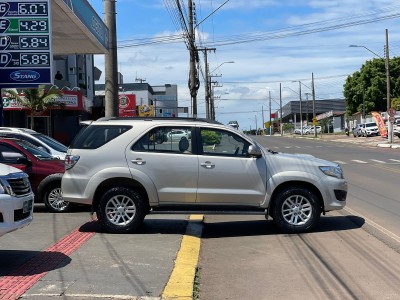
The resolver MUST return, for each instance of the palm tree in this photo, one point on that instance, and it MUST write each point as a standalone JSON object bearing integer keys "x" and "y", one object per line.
{"x": 39, "y": 99}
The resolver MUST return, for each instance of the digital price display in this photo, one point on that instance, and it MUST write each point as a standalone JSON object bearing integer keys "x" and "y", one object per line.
{"x": 33, "y": 8}
{"x": 25, "y": 42}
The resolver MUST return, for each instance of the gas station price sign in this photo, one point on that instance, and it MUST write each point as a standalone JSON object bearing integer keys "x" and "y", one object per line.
{"x": 25, "y": 42}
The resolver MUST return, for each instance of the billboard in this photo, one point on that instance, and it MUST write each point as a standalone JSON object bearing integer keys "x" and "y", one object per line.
{"x": 146, "y": 111}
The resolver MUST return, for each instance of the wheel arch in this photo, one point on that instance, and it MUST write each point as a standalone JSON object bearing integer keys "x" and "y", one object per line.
{"x": 292, "y": 184}
{"x": 121, "y": 182}
{"x": 49, "y": 180}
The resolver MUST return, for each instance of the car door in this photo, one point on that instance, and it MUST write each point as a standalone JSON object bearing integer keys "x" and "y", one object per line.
{"x": 227, "y": 175}
{"x": 169, "y": 163}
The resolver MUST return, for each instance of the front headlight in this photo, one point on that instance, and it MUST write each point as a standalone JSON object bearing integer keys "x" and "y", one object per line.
{"x": 5, "y": 188}
{"x": 332, "y": 171}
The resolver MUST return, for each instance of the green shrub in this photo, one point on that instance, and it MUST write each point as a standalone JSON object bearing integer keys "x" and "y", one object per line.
{"x": 210, "y": 137}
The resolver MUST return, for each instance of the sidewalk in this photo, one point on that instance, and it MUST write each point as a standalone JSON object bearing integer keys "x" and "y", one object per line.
{"x": 376, "y": 141}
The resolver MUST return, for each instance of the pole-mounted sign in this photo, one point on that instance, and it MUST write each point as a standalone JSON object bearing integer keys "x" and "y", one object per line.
{"x": 25, "y": 43}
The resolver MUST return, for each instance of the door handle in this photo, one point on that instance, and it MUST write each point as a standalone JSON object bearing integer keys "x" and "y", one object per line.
{"x": 208, "y": 165}
{"x": 138, "y": 161}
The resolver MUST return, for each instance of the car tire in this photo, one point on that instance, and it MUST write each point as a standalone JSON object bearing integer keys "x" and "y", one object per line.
{"x": 296, "y": 209}
{"x": 53, "y": 200}
{"x": 121, "y": 210}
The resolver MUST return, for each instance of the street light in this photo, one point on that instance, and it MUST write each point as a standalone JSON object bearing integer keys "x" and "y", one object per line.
{"x": 210, "y": 111}
{"x": 301, "y": 111}
{"x": 361, "y": 46}
{"x": 225, "y": 62}
{"x": 390, "y": 125}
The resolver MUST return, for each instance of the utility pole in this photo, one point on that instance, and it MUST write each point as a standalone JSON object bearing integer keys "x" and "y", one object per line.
{"x": 301, "y": 111}
{"x": 270, "y": 111}
{"x": 111, "y": 61}
{"x": 207, "y": 81}
{"x": 280, "y": 105}
{"x": 313, "y": 105}
{"x": 193, "y": 80}
{"x": 390, "y": 124}
{"x": 212, "y": 104}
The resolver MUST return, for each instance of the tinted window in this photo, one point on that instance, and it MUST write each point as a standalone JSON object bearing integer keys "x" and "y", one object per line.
{"x": 95, "y": 136}
{"x": 52, "y": 143}
{"x": 223, "y": 143}
{"x": 165, "y": 139}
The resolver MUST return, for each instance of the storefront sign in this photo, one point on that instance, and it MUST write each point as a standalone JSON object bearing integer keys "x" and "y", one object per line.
{"x": 72, "y": 101}
{"x": 146, "y": 111}
{"x": 127, "y": 105}
{"x": 25, "y": 43}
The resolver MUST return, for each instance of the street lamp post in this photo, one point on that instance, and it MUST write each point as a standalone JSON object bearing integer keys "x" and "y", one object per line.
{"x": 390, "y": 125}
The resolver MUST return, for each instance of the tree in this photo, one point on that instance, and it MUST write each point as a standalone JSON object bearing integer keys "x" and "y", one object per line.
{"x": 367, "y": 88}
{"x": 396, "y": 103}
{"x": 36, "y": 100}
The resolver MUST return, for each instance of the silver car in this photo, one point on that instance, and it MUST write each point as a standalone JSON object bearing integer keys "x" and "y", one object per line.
{"x": 114, "y": 166}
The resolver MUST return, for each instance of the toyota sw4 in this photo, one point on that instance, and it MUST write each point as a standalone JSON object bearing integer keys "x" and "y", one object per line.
{"x": 113, "y": 165}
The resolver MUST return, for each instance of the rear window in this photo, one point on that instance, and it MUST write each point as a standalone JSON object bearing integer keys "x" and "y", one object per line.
{"x": 370, "y": 125}
{"x": 95, "y": 136}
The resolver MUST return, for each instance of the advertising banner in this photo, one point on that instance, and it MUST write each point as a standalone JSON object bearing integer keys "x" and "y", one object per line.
{"x": 146, "y": 111}
{"x": 127, "y": 105}
{"x": 380, "y": 123}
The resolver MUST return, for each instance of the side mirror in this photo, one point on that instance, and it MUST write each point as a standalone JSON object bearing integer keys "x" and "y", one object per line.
{"x": 23, "y": 161}
{"x": 254, "y": 151}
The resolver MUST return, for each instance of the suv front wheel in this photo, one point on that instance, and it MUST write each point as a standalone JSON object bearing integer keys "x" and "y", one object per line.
{"x": 121, "y": 210}
{"x": 296, "y": 209}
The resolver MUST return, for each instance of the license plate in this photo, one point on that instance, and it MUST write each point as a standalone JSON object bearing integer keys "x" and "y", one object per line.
{"x": 27, "y": 206}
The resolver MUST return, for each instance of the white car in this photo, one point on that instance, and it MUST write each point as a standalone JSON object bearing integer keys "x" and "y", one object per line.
{"x": 177, "y": 135}
{"x": 16, "y": 199}
{"x": 40, "y": 140}
{"x": 124, "y": 177}
{"x": 311, "y": 130}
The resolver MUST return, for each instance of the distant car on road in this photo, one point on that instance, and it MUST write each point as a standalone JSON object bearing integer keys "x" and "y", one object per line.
{"x": 369, "y": 129}
{"x": 45, "y": 172}
{"x": 298, "y": 130}
{"x": 233, "y": 124}
{"x": 312, "y": 129}
{"x": 357, "y": 131}
{"x": 177, "y": 135}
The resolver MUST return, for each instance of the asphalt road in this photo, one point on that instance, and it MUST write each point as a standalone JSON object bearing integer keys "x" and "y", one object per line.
{"x": 353, "y": 254}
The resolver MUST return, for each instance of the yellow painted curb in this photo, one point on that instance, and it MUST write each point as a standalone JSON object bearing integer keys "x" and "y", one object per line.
{"x": 180, "y": 284}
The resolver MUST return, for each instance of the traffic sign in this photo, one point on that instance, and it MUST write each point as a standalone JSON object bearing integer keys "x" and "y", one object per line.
{"x": 392, "y": 119}
{"x": 25, "y": 42}
{"x": 391, "y": 112}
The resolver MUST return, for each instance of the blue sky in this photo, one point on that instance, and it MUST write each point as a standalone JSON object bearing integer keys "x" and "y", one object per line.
{"x": 271, "y": 42}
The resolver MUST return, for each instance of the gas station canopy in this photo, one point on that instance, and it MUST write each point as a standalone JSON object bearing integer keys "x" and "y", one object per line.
{"x": 77, "y": 28}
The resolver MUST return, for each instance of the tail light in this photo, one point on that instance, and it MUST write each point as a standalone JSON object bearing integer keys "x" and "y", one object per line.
{"x": 70, "y": 161}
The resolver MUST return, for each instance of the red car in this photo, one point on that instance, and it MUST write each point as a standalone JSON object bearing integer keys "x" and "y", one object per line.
{"x": 44, "y": 171}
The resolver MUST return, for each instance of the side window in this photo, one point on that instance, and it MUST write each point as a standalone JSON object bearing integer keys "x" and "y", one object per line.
{"x": 9, "y": 155}
{"x": 223, "y": 143}
{"x": 95, "y": 136}
{"x": 166, "y": 139}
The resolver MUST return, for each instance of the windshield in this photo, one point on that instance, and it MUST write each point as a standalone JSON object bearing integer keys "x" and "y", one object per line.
{"x": 52, "y": 143}
{"x": 38, "y": 153}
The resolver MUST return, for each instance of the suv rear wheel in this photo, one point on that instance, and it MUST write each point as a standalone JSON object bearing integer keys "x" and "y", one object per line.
{"x": 121, "y": 210}
{"x": 296, "y": 210}
{"x": 54, "y": 200}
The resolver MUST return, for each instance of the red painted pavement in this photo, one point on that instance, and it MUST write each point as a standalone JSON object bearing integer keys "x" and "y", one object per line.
{"x": 23, "y": 278}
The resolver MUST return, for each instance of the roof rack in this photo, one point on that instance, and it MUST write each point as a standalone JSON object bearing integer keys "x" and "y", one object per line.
{"x": 160, "y": 118}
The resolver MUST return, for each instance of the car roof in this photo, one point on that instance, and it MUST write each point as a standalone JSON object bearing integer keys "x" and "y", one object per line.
{"x": 16, "y": 129}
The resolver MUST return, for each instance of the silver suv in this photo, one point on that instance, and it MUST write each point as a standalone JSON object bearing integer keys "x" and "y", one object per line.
{"x": 125, "y": 172}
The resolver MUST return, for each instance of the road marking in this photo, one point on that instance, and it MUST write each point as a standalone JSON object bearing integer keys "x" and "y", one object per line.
{"x": 375, "y": 225}
{"x": 180, "y": 284}
{"x": 15, "y": 284}
{"x": 359, "y": 161}
{"x": 379, "y": 161}
{"x": 395, "y": 160}
{"x": 340, "y": 162}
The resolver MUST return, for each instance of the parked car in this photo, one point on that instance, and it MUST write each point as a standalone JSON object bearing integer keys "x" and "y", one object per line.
{"x": 177, "y": 135}
{"x": 16, "y": 199}
{"x": 369, "y": 129}
{"x": 44, "y": 142}
{"x": 45, "y": 172}
{"x": 357, "y": 131}
{"x": 125, "y": 178}
{"x": 311, "y": 130}
{"x": 298, "y": 130}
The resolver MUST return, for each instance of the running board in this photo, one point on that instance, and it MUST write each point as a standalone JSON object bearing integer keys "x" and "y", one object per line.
{"x": 209, "y": 211}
